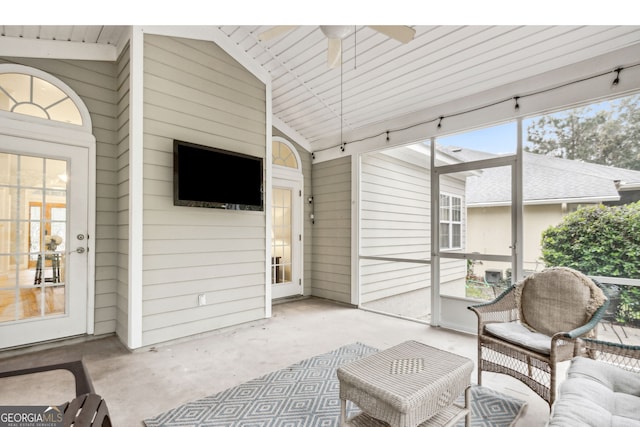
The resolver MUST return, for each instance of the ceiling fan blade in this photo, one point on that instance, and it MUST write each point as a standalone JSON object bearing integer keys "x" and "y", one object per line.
{"x": 401, "y": 33}
{"x": 334, "y": 52}
{"x": 274, "y": 32}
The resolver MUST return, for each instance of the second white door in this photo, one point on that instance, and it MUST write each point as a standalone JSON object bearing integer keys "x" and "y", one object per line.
{"x": 286, "y": 239}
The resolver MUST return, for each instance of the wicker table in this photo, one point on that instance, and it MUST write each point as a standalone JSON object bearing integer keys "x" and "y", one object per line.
{"x": 409, "y": 385}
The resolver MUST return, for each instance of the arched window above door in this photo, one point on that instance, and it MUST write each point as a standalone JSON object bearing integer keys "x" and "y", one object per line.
{"x": 30, "y": 92}
{"x": 283, "y": 154}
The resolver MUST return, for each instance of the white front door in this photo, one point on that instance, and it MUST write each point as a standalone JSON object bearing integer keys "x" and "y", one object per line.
{"x": 43, "y": 240}
{"x": 286, "y": 239}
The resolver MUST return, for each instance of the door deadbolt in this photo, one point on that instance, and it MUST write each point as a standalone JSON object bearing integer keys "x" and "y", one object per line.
{"x": 80, "y": 236}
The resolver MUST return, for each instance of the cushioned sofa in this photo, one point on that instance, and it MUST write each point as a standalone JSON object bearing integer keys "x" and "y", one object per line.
{"x": 602, "y": 388}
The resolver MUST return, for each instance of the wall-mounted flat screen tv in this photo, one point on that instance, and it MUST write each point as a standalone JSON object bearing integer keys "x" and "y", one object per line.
{"x": 213, "y": 178}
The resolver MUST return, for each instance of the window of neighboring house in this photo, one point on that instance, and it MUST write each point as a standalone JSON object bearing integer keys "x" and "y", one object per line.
{"x": 450, "y": 222}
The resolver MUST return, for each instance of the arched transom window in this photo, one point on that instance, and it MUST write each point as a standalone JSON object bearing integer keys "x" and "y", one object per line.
{"x": 283, "y": 155}
{"x": 33, "y": 96}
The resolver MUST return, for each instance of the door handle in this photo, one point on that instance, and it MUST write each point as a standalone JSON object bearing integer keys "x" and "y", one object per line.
{"x": 80, "y": 250}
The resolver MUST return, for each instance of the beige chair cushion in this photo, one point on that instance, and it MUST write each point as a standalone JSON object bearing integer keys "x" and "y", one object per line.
{"x": 517, "y": 334}
{"x": 557, "y": 299}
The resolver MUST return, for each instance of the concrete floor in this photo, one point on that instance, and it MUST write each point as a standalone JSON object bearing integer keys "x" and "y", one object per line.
{"x": 141, "y": 384}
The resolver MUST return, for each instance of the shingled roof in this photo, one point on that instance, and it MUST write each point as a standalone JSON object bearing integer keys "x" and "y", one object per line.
{"x": 546, "y": 180}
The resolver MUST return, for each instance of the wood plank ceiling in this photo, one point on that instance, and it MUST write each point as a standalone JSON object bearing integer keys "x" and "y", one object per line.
{"x": 101, "y": 34}
{"x": 381, "y": 78}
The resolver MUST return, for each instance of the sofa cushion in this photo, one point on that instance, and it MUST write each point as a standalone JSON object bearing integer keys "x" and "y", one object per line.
{"x": 612, "y": 377}
{"x": 557, "y": 299}
{"x": 516, "y": 333}
{"x": 597, "y": 394}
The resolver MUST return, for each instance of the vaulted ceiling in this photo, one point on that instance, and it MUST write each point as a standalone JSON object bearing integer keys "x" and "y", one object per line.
{"x": 381, "y": 78}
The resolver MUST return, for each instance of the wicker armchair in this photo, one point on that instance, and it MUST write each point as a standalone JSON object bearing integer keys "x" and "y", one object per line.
{"x": 622, "y": 355}
{"x": 532, "y": 326}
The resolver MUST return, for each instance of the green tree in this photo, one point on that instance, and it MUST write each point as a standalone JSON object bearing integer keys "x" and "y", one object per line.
{"x": 600, "y": 241}
{"x": 608, "y": 136}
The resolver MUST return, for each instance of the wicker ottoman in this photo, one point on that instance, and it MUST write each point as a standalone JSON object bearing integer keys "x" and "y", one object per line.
{"x": 409, "y": 385}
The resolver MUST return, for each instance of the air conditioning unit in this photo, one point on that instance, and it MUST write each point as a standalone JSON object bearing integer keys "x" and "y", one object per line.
{"x": 493, "y": 276}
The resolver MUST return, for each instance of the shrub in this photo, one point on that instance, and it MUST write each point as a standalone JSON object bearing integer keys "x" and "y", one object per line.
{"x": 600, "y": 241}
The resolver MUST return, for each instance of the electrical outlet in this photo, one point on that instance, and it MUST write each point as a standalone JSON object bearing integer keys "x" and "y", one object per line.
{"x": 202, "y": 299}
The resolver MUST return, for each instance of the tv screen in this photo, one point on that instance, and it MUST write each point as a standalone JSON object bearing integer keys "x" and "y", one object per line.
{"x": 214, "y": 178}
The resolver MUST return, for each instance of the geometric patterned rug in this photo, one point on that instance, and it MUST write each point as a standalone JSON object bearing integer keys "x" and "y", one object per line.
{"x": 306, "y": 395}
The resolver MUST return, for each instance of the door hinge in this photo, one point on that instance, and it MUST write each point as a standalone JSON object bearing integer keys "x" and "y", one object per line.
{"x": 300, "y": 193}
{"x": 300, "y": 237}
{"x": 300, "y": 282}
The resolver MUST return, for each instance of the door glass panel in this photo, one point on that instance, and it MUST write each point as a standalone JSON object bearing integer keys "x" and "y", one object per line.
{"x": 30, "y": 171}
{"x": 476, "y": 211}
{"x": 281, "y": 261}
{"x": 58, "y": 217}
{"x": 54, "y": 300}
{"x": 478, "y": 218}
{"x": 488, "y": 211}
{"x": 33, "y": 229}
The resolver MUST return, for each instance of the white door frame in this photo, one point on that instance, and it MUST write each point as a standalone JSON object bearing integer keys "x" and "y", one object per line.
{"x": 295, "y": 286}
{"x": 74, "y": 321}
{"x": 287, "y": 177}
{"x": 13, "y": 125}
{"x": 450, "y": 312}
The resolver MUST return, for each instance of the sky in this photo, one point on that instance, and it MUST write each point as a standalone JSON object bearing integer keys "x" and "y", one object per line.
{"x": 501, "y": 139}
